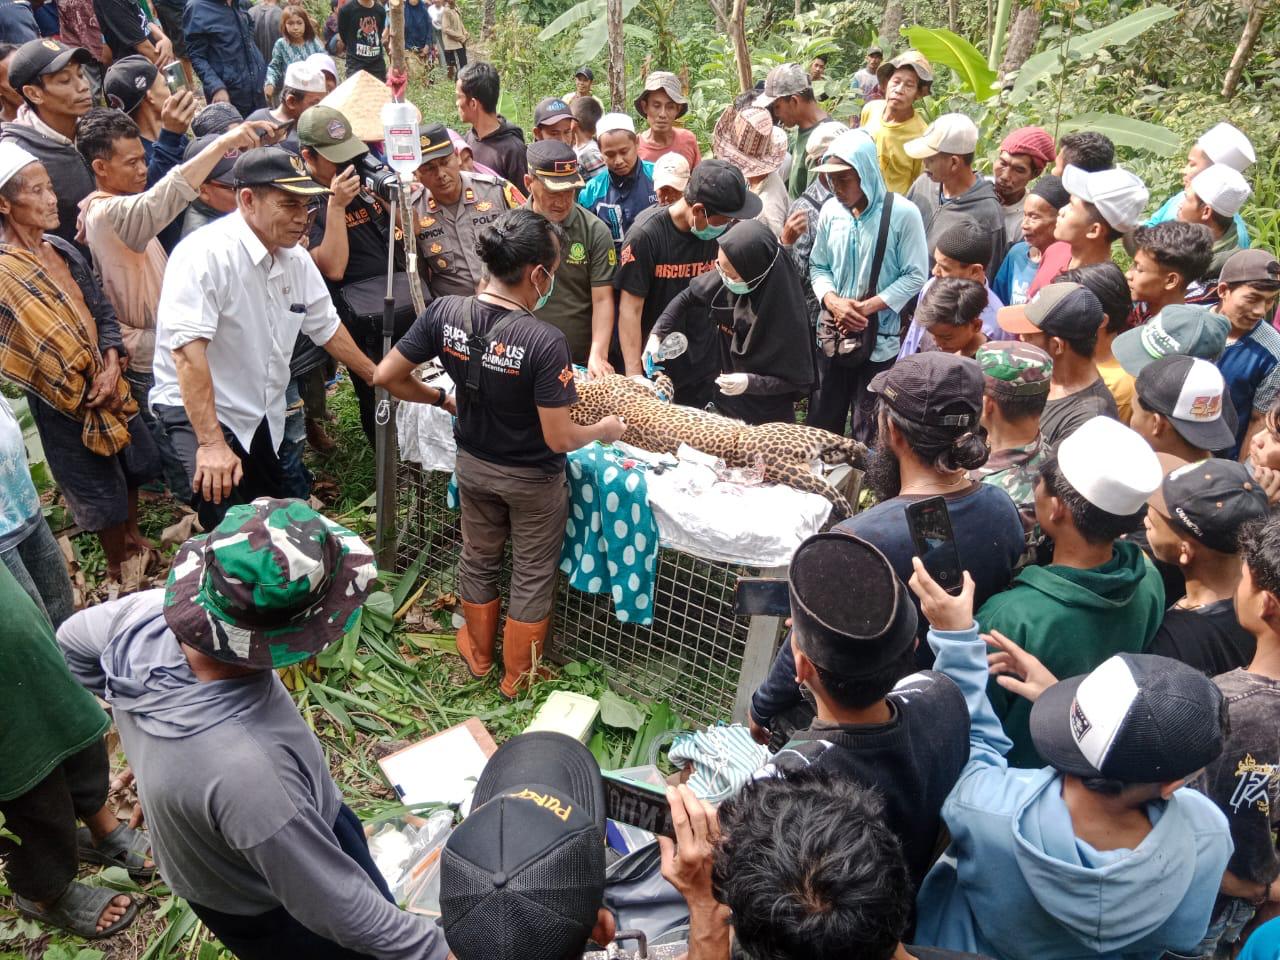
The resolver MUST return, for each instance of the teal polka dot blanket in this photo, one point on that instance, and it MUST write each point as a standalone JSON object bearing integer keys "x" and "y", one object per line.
{"x": 611, "y": 538}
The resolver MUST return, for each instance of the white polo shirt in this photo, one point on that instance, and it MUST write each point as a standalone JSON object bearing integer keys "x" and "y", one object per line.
{"x": 221, "y": 285}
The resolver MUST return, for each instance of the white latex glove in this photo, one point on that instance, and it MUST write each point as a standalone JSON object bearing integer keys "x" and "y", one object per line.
{"x": 732, "y": 384}
{"x": 651, "y": 347}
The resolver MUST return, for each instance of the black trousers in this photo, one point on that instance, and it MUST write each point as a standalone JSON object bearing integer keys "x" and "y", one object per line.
{"x": 43, "y": 819}
{"x": 844, "y": 390}
{"x": 263, "y": 475}
{"x": 276, "y": 935}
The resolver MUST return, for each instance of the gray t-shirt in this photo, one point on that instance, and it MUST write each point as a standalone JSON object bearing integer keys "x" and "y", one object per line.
{"x": 1064, "y": 416}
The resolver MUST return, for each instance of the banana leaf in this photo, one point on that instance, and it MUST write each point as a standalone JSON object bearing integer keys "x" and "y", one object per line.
{"x": 944, "y": 47}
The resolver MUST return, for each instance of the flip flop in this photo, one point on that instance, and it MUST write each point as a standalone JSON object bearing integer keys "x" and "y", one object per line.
{"x": 77, "y": 911}
{"x": 122, "y": 847}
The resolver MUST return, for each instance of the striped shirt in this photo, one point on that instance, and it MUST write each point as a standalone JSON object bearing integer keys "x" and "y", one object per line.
{"x": 1251, "y": 368}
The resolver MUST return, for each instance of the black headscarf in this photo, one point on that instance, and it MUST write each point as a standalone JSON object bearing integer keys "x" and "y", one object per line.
{"x": 771, "y": 333}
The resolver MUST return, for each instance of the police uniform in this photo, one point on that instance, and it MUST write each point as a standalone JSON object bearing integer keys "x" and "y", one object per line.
{"x": 447, "y": 235}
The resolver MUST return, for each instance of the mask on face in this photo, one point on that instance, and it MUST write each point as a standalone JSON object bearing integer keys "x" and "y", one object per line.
{"x": 741, "y": 287}
{"x": 709, "y": 232}
{"x": 542, "y": 300}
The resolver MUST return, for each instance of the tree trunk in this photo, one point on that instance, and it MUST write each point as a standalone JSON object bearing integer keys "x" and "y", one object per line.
{"x": 953, "y": 14}
{"x": 1022, "y": 40}
{"x": 998, "y": 30}
{"x": 722, "y": 16}
{"x": 738, "y": 32}
{"x": 617, "y": 58}
{"x": 395, "y": 28}
{"x": 1244, "y": 49}
{"x": 891, "y": 22}
{"x": 797, "y": 9}
{"x": 490, "y": 18}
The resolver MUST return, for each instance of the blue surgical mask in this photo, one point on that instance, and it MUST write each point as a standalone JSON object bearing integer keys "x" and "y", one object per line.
{"x": 542, "y": 300}
{"x": 709, "y": 232}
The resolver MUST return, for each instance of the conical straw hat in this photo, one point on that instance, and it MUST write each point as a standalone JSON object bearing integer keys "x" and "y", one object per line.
{"x": 360, "y": 98}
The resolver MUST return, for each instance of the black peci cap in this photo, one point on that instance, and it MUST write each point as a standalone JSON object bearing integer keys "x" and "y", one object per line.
{"x": 722, "y": 189}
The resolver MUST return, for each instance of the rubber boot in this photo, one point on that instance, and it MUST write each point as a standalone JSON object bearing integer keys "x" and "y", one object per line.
{"x": 521, "y": 645}
{"x": 476, "y": 638}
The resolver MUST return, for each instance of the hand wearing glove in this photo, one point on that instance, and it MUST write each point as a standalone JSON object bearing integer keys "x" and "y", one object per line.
{"x": 732, "y": 384}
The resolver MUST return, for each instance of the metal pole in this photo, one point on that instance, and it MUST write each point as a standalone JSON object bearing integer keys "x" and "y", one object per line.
{"x": 385, "y": 449}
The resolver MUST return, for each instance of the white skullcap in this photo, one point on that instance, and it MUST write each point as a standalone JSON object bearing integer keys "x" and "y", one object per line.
{"x": 12, "y": 159}
{"x": 1110, "y": 466}
{"x": 1226, "y": 144}
{"x": 1222, "y": 188}
{"x": 612, "y": 122}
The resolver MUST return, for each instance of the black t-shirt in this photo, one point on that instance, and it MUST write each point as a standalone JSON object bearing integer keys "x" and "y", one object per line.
{"x": 367, "y": 256}
{"x": 526, "y": 367}
{"x": 656, "y": 263}
{"x": 1064, "y": 416}
{"x": 1208, "y": 638}
{"x": 361, "y": 29}
{"x": 123, "y": 23}
{"x": 913, "y": 761}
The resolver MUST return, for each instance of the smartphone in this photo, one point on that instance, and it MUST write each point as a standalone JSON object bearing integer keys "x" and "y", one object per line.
{"x": 935, "y": 543}
{"x": 637, "y": 804}
{"x": 762, "y": 596}
{"x": 174, "y": 77}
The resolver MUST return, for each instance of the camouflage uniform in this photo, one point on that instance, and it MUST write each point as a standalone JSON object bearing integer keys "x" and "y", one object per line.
{"x": 1011, "y": 368}
{"x": 447, "y": 235}
{"x": 273, "y": 584}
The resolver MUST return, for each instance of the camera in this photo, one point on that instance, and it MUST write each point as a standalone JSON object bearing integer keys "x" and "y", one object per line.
{"x": 377, "y": 178}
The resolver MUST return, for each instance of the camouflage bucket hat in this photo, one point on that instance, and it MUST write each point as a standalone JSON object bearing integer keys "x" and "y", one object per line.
{"x": 273, "y": 584}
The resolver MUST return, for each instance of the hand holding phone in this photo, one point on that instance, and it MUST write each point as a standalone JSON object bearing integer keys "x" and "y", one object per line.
{"x": 174, "y": 77}
{"x": 762, "y": 597}
{"x": 637, "y": 804}
{"x": 935, "y": 542}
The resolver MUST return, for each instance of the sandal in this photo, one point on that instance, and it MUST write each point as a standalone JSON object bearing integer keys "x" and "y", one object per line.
{"x": 122, "y": 847}
{"x": 77, "y": 911}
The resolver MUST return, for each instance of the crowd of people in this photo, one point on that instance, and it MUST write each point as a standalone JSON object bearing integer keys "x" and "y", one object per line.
{"x": 1072, "y": 754}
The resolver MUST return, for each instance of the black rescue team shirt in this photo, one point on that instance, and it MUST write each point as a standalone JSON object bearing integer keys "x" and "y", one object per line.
{"x": 526, "y": 367}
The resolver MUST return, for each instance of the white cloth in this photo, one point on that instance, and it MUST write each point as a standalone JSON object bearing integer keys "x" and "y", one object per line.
{"x": 435, "y": 13}
{"x": 221, "y": 285}
{"x": 425, "y": 433}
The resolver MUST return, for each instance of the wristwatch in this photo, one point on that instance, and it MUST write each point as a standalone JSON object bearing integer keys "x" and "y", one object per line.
{"x": 439, "y": 401}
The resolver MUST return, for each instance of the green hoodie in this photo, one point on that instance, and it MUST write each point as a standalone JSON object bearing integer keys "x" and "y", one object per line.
{"x": 1072, "y": 620}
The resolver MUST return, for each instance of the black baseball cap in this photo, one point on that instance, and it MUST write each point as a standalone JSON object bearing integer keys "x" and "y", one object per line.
{"x": 935, "y": 389}
{"x": 1137, "y": 718}
{"x": 36, "y": 58}
{"x": 1210, "y": 501}
{"x": 435, "y": 141}
{"x": 556, "y": 164}
{"x": 585, "y": 72}
{"x": 523, "y": 875}
{"x": 551, "y": 110}
{"x": 275, "y": 167}
{"x": 223, "y": 169}
{"x": 127, "y": 81}
{"x": 850, "y": 613}
{"x": 215, "y": 118}
{"x": 720, "y": 187}
{"x": 1066, "y": 310}
{"x": 1191, "y": 394}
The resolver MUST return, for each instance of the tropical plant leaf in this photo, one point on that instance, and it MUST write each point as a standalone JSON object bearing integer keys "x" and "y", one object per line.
{"x": 944, "y": 47}
{"x": 1047, "y": 62}
{"x": 1127, "y": 132}
{"x": 616, "y": 711}
{"x": 579, "y": 11}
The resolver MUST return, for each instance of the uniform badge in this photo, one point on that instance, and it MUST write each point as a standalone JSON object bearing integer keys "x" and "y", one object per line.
{"x": 436, "y": 248}
{"x": 484, "y": 205}
{"x": 442, "y": 263}
{"x": 577, "y": 253}
{"x": 295, "y": 161}
{"x": 427, "y": 222}
{"x": 468, "y": 196}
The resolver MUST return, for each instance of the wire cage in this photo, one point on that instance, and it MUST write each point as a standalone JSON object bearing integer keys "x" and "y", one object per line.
{"x": 697, "y": 655}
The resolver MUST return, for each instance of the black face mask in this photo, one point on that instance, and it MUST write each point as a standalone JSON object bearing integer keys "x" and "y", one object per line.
{"x": 883, "y": 475}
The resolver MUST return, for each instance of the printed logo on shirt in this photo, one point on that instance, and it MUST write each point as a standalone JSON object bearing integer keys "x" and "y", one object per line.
{"x": 566, "y": 376}
{"x": 627, "y": 256}
{"x": 499, "y": 358}
{"x": 358, "y": 217}
{"x": 577, "y": 253}
{"x": 368, "y": 43}
{"x": 681, "y": 271}
{"x": 613, "y": 257}
{"x": 1252, "y": 780}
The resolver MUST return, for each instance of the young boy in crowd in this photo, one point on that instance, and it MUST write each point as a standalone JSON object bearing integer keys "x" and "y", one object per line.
{"x": 1076, "y": 859}
{"x": 1181, "y": 408}
{"x": 1105, "y": 205}
{"x": 1017, "y": 377}
{"x": 1213, "y": 199}
{"x": 1099, "y": 596}
{"x": 1180, "y": 328}
{"x": 1169, "y": 258}
{"x": 1106, "y": 282}
{"x": 962, "y": 252}
{"x": 1248, "y": 287}
{"x": 907, "y": 738}
{"x": 1085, "y": 149}
{"x": 1220, "y": 145}
{"x": 1063, "y": 320}
{"x": 950, "y": 317}
{"x": 1245, "y": 780}
{"x": 586, "y": 114}
{"x": 1194, "y": 521}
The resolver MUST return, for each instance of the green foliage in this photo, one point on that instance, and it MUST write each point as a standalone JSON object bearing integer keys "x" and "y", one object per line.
{"x": 945, "y": 48}
{"x": 1126, "y": 132}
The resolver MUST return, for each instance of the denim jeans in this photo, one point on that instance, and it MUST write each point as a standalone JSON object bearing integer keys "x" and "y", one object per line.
{"x": 296, "y": 475}
{"x": 1225, "y": 929}
{"x": 37, "y": 564}
{"x": 175, "y": 474}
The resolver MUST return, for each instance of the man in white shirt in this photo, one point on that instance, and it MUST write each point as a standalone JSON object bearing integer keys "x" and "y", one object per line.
{"x": 235, "y": 296}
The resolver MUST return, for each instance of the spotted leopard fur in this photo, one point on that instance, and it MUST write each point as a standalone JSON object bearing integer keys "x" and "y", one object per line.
{"x": 786, "y": 449}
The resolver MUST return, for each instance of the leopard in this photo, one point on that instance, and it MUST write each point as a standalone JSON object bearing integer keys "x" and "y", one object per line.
{"x": 786, "y": 450}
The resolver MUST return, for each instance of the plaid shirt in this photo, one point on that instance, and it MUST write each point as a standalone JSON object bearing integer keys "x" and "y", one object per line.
{"x": 45, "y": 348}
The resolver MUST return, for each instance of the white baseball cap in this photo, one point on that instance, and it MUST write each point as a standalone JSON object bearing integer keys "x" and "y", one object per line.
{"x": 950, "y": 133}
{"x": 324, "y": 62}
{"x": 671, "y": 170}
{"x": 1221, "y": 187}
{"x": 12, "y": 159}
{"x": 1119, "y": 195}
{"x": 1225, "y": 143}
{"x": 612, "y": 122}
{"x": 1110, "y": 466}
{"x": 820, "y": 139}
{"x": 306, "y": 76}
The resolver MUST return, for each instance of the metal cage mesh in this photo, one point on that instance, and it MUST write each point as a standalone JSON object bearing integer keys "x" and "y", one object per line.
{"x": 692, "y": 654}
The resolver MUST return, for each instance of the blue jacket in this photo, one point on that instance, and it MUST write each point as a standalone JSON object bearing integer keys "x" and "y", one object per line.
{"x": 220, "y": 44}
{"x": 1016, "y": 882}
{"x": 616, "y": 204}
{"x": 844, "y": 244}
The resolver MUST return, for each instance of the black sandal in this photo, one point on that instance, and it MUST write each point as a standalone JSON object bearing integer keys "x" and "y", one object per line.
{"x": 122, "y": 847}
{"x": 78, "y": 909}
